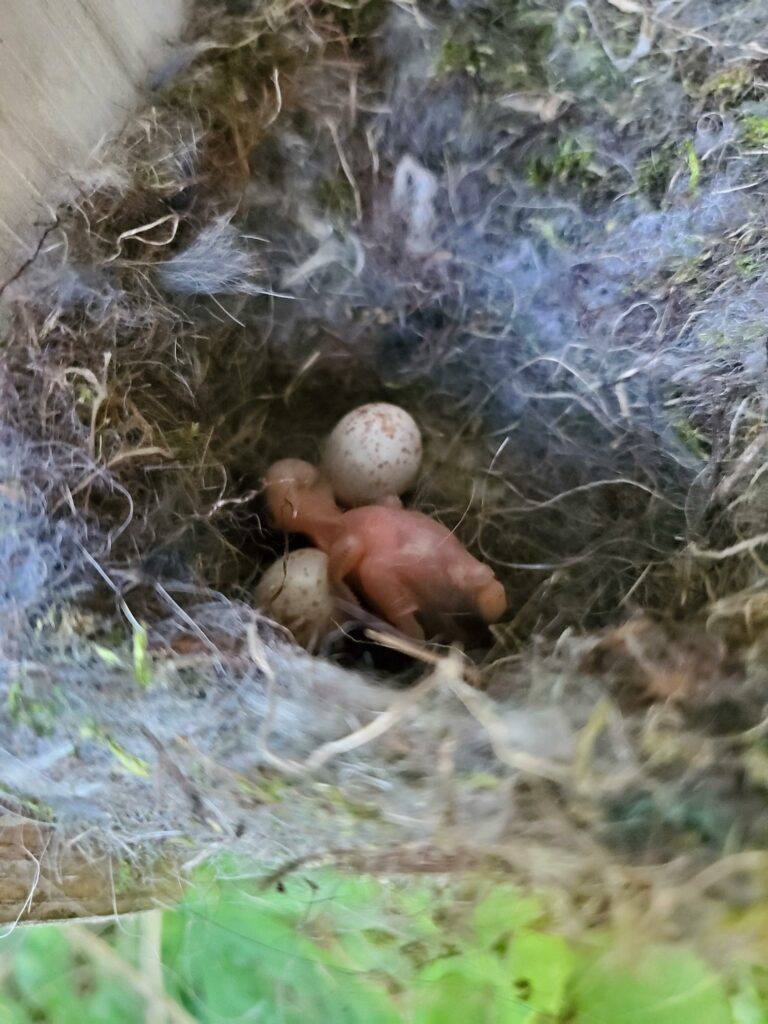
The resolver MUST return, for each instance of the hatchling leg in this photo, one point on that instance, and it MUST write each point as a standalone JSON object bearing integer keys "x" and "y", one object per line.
{"x": 343, "y": 558}
{"x": 390, "y": 596}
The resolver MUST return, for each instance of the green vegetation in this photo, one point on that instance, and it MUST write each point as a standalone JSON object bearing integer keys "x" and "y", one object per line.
{"x": 142, "y": 662}
{"x": 464, "y": 55}
{"x": 569, "y": 160}
{"x": 744, "y": 334}
{"x": 25, "y": 710}
{"x": 692, "y": 438}
{"x": 127, "y": 761}
{"x": 504, "y": 48}
{"x": 729, "y": 86}
{"x": 748, "y": 267}
{"x": 753, "y": 130}
{"x": 322, "y": 947}
{"x": 653, "y": 174}
{"x": 694, "y": 167}
{"x": 336, "y": 196}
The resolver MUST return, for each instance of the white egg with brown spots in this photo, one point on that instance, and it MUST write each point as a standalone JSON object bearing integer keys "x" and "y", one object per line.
{"x": 374, "y": 451}
{"x": 295, "y": 592}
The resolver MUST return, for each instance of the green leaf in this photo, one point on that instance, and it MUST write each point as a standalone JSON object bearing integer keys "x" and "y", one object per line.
{"x": 477, "y": 967}
{"x": 472, "y": 987}
{"x": 142, "y": 662}
{"x": 746, "y": 1005}
{"x": 323, "y": 946}
{"x": 668, "y": 986}
{"x": 694, "y": 167}
{"x": 42, "y": 972}
{"x": 108, "y": 657}
{"x": 131, "y": 763}
{"x": 504, "y": 912}
{"x": 11, "y": 1013}
{"x": 249, "y": 958}
{"x": 542, "y": 966}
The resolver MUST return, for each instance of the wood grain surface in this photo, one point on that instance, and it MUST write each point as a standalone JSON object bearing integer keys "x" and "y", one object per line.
{"x": 69, "y": 70}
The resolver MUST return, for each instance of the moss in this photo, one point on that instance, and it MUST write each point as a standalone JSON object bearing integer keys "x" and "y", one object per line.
{"x": 692, "y": 438}
{"x": 723, "y": 340}
{"x": 715, "y": 339}
{"x": 503, "y": 47}
{"x": 488, "y": 63}
{"x": 125, "y": 877}
{"x": 689, "y": 271}
{"x": 581, "y": 63}
{"x": 753, "y": 130}
{"x": 568, "y": 161}
{"x": 336, "y": 196}
{"x": 24, "y": 709}
{"x": 337, "y": 799}
{"x": 459, "y": 55}
{"x": 694, "y": 167}
{"x": 728, "y": 87}
{"x": 748, "y": 267}
{"x": 653, "y": 175}
{"x": 266, "y": 788}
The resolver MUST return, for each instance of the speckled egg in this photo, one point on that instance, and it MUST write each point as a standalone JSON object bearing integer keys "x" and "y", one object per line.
{"x": 295, "y": 592}
{"x": 375, "y": 450}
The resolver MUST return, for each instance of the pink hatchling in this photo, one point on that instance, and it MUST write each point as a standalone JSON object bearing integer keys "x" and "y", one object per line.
{"x": 412, "y": 570}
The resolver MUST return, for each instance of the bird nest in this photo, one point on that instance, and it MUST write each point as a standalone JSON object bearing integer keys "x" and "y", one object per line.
{"x": 538, "y": 232}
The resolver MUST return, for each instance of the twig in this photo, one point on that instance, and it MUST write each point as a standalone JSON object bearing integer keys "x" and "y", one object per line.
{"x": 421, "y": 652}
{"x": 201, "y": 808}
{"x": 479, "y": 706}
{"x": 135, "y": 624}
{"x": 444, "y": 671}
{"x": 31, "y": 259}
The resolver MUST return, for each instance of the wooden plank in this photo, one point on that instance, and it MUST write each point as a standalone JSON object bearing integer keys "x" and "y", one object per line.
{"x": 68, "y": 76}
{"x": 44, "y": 878}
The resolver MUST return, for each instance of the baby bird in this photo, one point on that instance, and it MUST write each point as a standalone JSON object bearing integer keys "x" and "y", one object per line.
{"x": 412, "y": 570}
{"x": 300, "y": 500}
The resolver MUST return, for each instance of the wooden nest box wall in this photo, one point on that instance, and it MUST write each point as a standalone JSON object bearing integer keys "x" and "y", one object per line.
{"x": 69, "y": 75}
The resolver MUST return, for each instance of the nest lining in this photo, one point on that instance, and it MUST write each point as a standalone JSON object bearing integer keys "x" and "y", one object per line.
{"x": 321, "y": 210}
